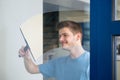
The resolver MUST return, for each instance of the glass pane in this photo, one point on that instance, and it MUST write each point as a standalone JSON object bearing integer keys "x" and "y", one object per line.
{"x": 116, "y": 59}
{"x": 116, "y": 10}
{"x": 56, "y": 11}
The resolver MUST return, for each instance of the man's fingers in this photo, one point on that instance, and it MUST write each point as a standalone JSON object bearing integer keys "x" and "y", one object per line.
{"x": 22, "y": 52}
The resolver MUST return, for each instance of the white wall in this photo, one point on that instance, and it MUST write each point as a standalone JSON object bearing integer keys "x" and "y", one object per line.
{"x": 12, "y": 14}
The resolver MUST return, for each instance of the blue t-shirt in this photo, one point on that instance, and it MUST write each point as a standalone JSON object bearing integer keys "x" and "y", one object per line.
{"x": 66, "y": 68}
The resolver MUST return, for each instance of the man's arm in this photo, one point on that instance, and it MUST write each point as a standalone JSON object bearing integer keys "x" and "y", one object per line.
{"x": 30, "y": 66}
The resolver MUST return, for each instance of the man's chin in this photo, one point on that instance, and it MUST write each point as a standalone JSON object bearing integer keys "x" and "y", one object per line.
{"x": 66, "y": 48}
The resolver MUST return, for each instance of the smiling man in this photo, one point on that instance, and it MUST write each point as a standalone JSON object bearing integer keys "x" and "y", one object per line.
{"x": 72, "y": 67}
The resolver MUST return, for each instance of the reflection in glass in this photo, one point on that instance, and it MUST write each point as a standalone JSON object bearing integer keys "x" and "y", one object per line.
{"x": 116, "y": 9}
{"x": 116, "y": 59}
{"x": 60, "y": 10}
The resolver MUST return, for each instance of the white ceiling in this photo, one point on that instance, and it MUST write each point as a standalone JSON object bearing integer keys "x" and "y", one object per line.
{"x": 70, "y": 4}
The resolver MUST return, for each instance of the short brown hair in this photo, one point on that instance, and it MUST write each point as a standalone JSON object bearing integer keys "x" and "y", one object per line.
{"x": 73, "y": 26}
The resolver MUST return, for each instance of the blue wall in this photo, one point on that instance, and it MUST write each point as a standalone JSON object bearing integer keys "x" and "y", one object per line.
{"x": 102, "y": 28}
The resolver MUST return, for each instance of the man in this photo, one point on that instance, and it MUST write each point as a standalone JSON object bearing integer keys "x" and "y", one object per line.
{"x": 72, "y": 67}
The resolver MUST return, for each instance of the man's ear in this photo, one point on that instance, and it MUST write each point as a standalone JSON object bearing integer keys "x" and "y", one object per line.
{"x": 79, "y": 36}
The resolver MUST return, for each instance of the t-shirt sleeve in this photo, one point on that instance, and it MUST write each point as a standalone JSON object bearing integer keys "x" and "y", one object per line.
{"x": 47, "y": 69}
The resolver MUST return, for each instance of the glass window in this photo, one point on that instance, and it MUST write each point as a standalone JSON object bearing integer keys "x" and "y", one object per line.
{"x": 116, "y": 42}
{"x": 61, "y": 10}
{"x": 116, "y": 58}
{"x": 116, "y": 10}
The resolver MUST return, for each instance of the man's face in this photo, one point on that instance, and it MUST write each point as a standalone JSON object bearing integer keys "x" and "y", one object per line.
{"x": 67, "y": 38}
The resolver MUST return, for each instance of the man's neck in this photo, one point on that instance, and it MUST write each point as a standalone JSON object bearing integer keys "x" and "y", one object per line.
{"x": 76, "y": 51}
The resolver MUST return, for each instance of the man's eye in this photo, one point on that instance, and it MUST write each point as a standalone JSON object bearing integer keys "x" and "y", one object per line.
{"x": 65, "y": 35}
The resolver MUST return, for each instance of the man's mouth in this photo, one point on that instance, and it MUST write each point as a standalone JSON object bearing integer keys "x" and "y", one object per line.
{"x": 64, "y": 43}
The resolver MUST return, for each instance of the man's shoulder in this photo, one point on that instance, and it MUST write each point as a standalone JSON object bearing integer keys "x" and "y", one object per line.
{"x": 87, "y": 53}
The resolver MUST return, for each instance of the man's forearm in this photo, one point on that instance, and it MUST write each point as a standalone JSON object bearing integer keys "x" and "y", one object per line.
{"x": 30, "y": 66}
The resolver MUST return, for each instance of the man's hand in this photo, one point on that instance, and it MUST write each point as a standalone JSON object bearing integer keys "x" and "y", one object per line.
{"x": 24, "y": 52}
{"x": 29, "y": 64}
